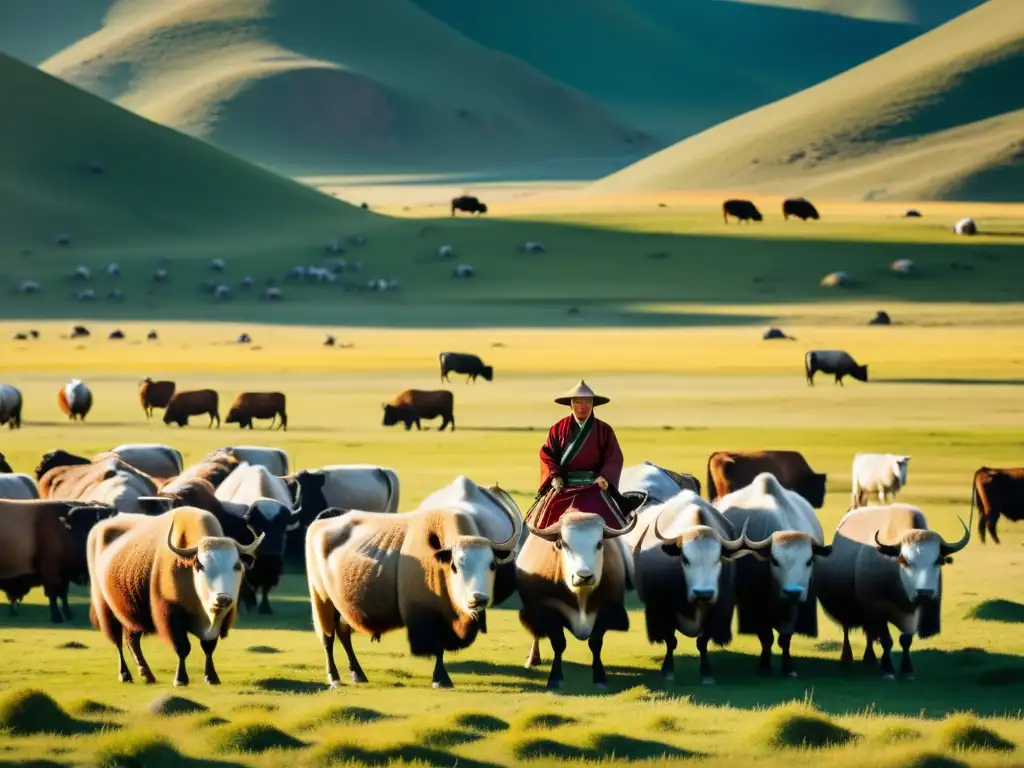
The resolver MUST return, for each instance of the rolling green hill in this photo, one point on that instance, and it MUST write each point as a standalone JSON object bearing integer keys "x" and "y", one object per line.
{"x": 936, "y": 118}
{"x": 674, "y": 68}
{"x": 309, "y": 86}
{"x": 156, "y": 184}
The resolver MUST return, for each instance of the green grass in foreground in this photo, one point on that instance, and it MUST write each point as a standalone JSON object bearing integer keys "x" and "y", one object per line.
{"x": 274, "y": 707}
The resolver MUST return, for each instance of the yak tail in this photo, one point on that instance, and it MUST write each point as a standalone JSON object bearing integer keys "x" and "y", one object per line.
{"x": 712, "y": 490}
{"x": 725, "y": 214}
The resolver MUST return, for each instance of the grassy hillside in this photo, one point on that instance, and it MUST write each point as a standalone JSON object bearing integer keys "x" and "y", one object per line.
{"x": 156, "y": 185}
{"x": 920, "y": 13}
{"x": 674, "y": 68}
{"x": 313, "y": 86}
{"x": 931, "y": 119}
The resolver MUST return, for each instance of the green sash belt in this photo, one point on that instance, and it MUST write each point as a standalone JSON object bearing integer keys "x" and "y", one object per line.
{"x": 579, "y": 479}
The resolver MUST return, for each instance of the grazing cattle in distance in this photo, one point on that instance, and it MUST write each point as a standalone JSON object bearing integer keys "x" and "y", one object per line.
{"x": 886, "y": 568}
{"x": 192, "y": 403}
{"x": 878, "y": 473}
{"x": 997, "y": 492}
{"x": 431, "y": 571}
{"x": 263, "y": 500}
{"x": 881, "y": 318}
{"x": 161, "y": 462}
{"x": 469, "y": 204}
{"x": 776, "y": 333}
{"x": 834, "y": 361}
{"x": 18, "y": 486}
{"x": 43, "y": 543}
{"x": 258, "y": 405}
{"x": 4, "y": 466}
{"x": 75, "y": 400}
{"x": 682, "y": 555}
{"x": 470, "y": 365}
{"x": 800, "y": 207}
{"x": 743, "y": 210}
{"x": 658, "y": 483}
{"x": 966, "y": 227}
{"x": 10, "y": 406}
{"x": 274, "y": 459}
{"x": 366, "y": 487}
{"x": 171, "y": 575}
{"x": 155, "y": 394}
{"x": 729, "y": 471}
{"x": 775, "y": 590}
{"x": 412, "y": 405}
{"x": 568, "y": 578}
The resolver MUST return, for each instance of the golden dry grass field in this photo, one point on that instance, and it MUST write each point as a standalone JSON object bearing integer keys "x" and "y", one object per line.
{"x": 945, "y": 388}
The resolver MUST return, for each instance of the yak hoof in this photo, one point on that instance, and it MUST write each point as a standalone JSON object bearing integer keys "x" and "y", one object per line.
{"x": 601, "y": 686}
{"x": 265, "y": 609}
{"x": 212, "y": 680}
{"x": 359, "y": 677}
{"x": 792, "y": 673}
{"x": 554, "y": 685}
{"x": 668, "y": 677}
{"x": 889, "y": 676}
{"x": 125, "y": 677}
{"x": 179, "y": 683}
{"x": 148, "y": 678}
{"x": 707, "y": 680}
{"x": 334, "y": 684}
{"x": 909, "y": 677}
{"x": 443, "y": 684}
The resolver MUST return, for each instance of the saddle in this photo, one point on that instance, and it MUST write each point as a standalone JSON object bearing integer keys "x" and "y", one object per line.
{"x": 548, "y": 508}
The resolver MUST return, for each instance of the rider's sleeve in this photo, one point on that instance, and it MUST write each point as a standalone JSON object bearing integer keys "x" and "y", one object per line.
{"x": 549, "y": 453}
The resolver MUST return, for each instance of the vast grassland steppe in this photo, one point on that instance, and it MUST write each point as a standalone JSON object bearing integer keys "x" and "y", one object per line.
{"x": 271, "y": 135}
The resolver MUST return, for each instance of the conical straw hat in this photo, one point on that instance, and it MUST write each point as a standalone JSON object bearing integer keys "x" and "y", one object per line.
{"x": 581, "y": 390}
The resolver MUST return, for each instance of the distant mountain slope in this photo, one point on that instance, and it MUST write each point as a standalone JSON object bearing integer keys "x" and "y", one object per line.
{"x": 670, "y": 67}
{"x": 924, "y": 13}
{"x": 939, "y": 117}
{"x": 155, "y": 182}
{"x": 341, "y": 85}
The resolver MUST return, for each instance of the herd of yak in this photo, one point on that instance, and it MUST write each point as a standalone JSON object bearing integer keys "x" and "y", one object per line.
{"x": 173, "y": 550}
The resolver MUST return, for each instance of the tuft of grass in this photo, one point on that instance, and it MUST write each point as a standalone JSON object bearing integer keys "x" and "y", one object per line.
{"x": 539, "y": 749}
{"x": 344, "y": 716}
{"x": 262, "y": 649}
{"x": 137, "y": 749}
{"x": 642, "y": 693}
{"x": 168, "y": 706}
{"x": 966, "y": 732}
{"x": 73, "y": 645}
{"x": 27, "y": 711}
{"x": 253, "y": 737}
{"x": 619, "y": 746}
{"x": 213, "y": 721}
{"x": 445, "y": 738}
{"x": 544, "y": 721}
{"x": 88, "y": 707}
{"x": 926, "y": 760}
{"x": 828, "y": 646}
{"x": 897, "y": 734}
{"x": 347, "y": 753}
{"x": 1003, "y": 611}
{"x": 664, "y": 724}
{"x": 287, "y": 685}
{"x": 480, "y": 722}
{"x": 799, "y": 725}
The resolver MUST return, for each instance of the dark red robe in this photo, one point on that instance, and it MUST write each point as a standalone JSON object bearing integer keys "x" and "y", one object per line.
{"x": 600, "y": 454}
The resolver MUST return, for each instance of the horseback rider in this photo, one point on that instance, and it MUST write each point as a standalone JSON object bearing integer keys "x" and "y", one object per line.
{"x": 580, "y": 463}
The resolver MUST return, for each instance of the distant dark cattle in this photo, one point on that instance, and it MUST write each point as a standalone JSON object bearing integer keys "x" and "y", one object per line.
{"x": 833, "y": 361}
{"x": 155, "y": 394}
{"x": 881, "y": 318}
{"x": 743, "y": 210}
{"x": 469, "y": 204}
{"x": 412, "y": 405}
{"x": 471, "y": 365}
{"x": 997, "y": 492}
{"x": 10, "y": 409}
{"x": 192, "y": 403}
{"x": 729, "y": 471}
{"x": 118, "y": 334}
{"x": 258, "y": 405}
{"x": 776, "y": 333}
{"x": 152, "y": 336}
{"x": 79, "y": 331}
{"x": 799, "y": 207}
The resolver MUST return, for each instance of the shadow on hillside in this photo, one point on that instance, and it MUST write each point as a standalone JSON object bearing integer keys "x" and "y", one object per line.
{"x": 620, "y": 283}
{"x": 965, "y": 382}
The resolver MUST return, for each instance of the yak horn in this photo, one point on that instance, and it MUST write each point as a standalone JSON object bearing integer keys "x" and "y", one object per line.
{"x": 551, "y": 533}
{"x": 949, "y": 549}
{"x": 611, "y": 533}
{"x": 184, "y": 554}
{"x": 889, "y": 549}
{"x": 732, "y": 545}
{"x": 510, "y": 508}
{"x": 250, "y": 549}
{"x": 755, "y": 546}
